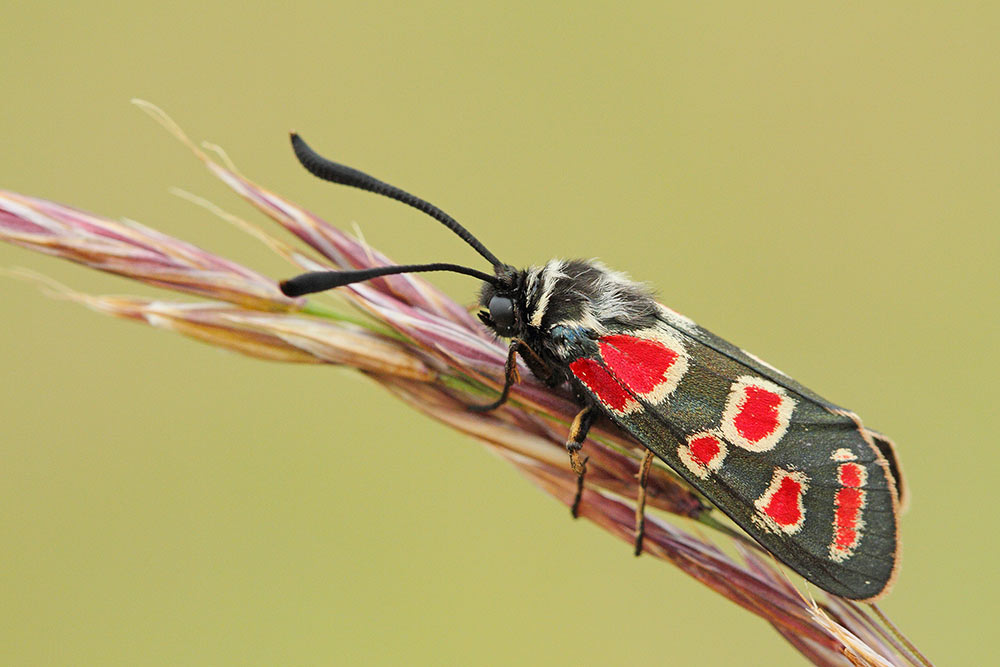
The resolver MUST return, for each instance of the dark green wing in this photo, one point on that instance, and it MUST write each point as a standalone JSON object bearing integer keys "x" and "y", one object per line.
{"x": 801, "y": 476}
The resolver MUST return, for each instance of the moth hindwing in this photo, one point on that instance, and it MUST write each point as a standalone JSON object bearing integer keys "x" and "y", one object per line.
{"x": 800, "y": 475}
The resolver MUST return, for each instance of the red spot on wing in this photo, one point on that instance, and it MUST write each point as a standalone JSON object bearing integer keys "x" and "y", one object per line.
{"x": 704, "y": 449}
{"x": 702, "y": 453}
{"x": 783, "y": 506}
{"x": 757, "y": 414}
{"x": 600, "y": 382}
{"x": 849, "y": 474}
{"x": 758, "y": 418}
{"x": 849, "y": 503}
{"x": 640, "y": 363}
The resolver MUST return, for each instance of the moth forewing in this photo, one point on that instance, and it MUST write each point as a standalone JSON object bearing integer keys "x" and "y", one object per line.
{"x": 803, "y": 477}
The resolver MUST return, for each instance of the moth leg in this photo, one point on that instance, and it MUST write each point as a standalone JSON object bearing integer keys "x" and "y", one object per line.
{"x": 577, "y": 434}
{"x": 640, "y": 505}
{"x": 537, "y": 365}
{"x": 511, "y": 376}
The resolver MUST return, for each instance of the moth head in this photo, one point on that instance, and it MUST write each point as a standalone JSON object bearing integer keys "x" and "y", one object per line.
{"x": 501, "y": 289}
{"x": 503, "y": 302}
{"x": 502, "y": 314}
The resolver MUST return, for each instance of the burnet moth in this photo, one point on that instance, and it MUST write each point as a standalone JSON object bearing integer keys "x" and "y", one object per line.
{"x": 802, "y": 476}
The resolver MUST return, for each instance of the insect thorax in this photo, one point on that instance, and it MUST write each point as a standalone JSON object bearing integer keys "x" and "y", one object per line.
{"x": 584, "y": 294}
{"x": 565, "y": 305}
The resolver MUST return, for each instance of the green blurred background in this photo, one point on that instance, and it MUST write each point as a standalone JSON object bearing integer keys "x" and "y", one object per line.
{"x": 817, "y": 185}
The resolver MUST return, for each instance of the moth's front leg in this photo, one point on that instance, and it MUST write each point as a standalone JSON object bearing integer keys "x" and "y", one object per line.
{"x": 511, "y": 376}
{"x": 540, "y": 368}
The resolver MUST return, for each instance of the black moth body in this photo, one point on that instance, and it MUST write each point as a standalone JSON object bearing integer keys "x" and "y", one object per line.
{"x": 799, "y": 474}
{"x": 565, "y": 309}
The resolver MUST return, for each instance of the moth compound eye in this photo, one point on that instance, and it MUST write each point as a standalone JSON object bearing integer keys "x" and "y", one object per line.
{"x": 502, "y": 314}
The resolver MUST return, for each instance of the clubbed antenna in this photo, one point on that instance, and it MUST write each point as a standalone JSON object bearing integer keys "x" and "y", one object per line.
{"x": 338, "y": 173}
{"x": 319, "y": 281}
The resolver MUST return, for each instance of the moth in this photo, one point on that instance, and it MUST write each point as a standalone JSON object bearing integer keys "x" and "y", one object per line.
{"x": 802, "y": 476}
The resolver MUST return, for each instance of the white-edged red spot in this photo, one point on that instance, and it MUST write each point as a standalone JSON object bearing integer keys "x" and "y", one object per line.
{"x": 852, "y": 475}
{"x": 649, "y": 362}
{"x": 781, "y": 507}
{"x": 757, "y": 414}
{"x": 848, "y": 507}
{"x": 608, "y": 390}
{"x": 843, "y": 455}
{"x": 703, "y": 453}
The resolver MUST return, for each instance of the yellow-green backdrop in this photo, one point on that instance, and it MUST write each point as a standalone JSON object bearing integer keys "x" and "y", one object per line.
{"x": 819, "y": 185}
